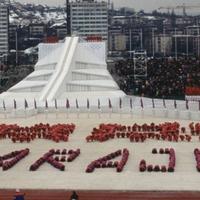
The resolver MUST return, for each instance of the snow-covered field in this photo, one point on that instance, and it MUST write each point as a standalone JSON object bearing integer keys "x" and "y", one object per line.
{"x": 185, "y": 176}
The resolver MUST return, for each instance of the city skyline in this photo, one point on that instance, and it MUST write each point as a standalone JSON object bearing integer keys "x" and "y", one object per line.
{"x": 137, "y": 4}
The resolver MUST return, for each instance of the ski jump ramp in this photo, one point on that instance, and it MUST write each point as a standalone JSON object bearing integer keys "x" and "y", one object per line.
{"x": 72, "y": 69}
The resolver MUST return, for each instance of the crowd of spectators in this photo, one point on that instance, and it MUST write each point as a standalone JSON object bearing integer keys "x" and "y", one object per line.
{"x": 166, "y": 77}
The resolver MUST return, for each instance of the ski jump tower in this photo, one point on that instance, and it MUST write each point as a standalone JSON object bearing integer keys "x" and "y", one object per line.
{"x": 73, "y": 69}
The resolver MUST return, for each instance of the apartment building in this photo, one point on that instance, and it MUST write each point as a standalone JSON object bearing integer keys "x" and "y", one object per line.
{"x": 4, "y": 32}
{"x": 89, "y": 18}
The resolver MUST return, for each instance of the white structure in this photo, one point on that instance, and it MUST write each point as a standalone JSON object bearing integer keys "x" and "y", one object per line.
{"x": 4, "y": 24}
{"x": 73, "y": 69}
{"x": 89, "y": 18}
{"x": 76, "y": 70}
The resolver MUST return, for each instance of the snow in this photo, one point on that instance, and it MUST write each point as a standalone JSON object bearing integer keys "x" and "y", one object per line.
{"x": 25, "y": 14}
{"x": 100, "y": 83}
{"x": 185, "y": 177}
{"x": 28, "y": 84}
{"x": 102, "y": 72}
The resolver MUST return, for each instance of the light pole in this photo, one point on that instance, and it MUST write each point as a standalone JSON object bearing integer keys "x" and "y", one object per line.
{"x": 130, "y": 41}
{"x": 164, "y": 42}
{"x": 153, "y": 42}
{"x": 198, "y": 50}
{"x": 175, "y": 43}
{"x": 187, "y": 42}
{"x": 141, "y": 39}
{"x": 16, "y": 46}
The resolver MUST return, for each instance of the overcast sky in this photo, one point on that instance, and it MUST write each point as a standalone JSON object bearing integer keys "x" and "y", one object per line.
{"x": 147, "y": 5}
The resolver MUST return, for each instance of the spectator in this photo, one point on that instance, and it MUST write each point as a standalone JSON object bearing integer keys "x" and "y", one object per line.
{"x": 167, "y": 78}
{"x": 18, "y": 195}
{"x": 74, "y": 196}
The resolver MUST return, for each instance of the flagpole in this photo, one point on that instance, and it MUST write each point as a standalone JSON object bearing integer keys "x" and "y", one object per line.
{"x": 67, "y": 105}
{"x": 25, "y": 106}
{"x": 110, "y": 107}
{"x": 131, "y": 106}
{"x": 35, "y": 107}
{"x": 88, "y": 108}
{"x": 77, "y": 108}
{"x": 187, "y": 105}
{"x": 99, "y": 108}
{"x": 46, "y": 109}
{"x": 56, "y": 107}
{"x": 4, "y": 108}
{"x": 120, "y": 107}
{"x": 164, "y": 103}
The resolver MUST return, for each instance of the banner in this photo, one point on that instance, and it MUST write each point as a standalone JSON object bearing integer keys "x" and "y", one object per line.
{"x": 192, "y": 91}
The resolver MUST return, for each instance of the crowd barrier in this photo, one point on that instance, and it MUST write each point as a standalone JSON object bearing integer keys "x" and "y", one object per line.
{"x": 130, "y": 104}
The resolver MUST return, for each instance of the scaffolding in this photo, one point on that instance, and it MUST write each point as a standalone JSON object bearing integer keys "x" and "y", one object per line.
{"x": 140, "y": 64}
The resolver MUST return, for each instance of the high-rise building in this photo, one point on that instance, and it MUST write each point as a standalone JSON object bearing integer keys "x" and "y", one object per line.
{"x": 4, "y": 26}
{"x": 89, "y": 19}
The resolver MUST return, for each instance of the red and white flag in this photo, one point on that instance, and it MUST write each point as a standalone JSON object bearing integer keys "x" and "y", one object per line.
{"x": 67, "y": 104}
{"x": 88, "y": 104}
{"x": 99, "y": 104}
{"x": 109, "y": 103}
{"x": 120, "y": 103}
{"x": 141, "y": 103}
{"x": 56, "y": 105}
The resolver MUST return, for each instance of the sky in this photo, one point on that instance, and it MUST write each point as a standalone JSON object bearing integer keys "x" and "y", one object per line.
{"x": 147, "y": 5}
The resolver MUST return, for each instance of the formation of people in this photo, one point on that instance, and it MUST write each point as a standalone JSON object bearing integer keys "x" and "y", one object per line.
{"x": 166, "y": 77}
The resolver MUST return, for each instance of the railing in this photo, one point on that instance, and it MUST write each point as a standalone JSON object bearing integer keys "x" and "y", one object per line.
{"x": 129, "y": 104}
